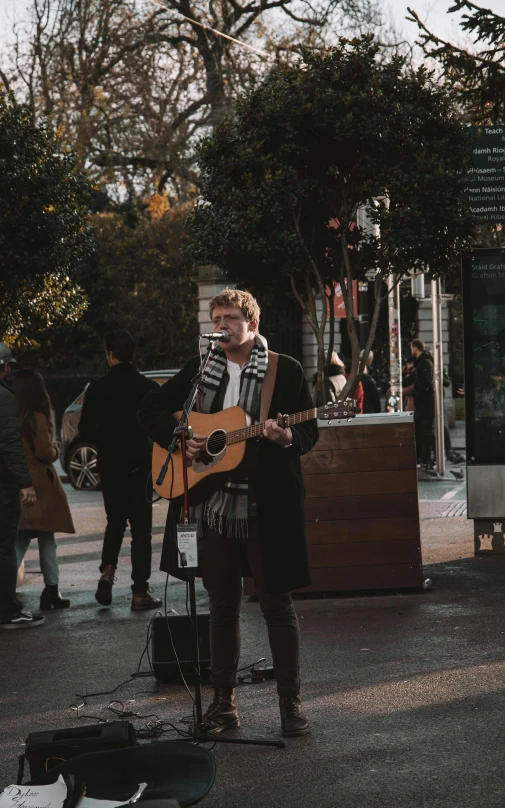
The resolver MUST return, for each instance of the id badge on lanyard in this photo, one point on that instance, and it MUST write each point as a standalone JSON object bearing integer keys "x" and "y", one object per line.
{"x": 187, "y": 546}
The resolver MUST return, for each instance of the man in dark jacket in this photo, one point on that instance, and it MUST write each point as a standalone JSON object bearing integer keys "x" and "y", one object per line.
{"x": 109, "y": 420}
{"x": 424, "y": 400}
{"x": 15, "y": 490}
{"x": 256, "y": 523}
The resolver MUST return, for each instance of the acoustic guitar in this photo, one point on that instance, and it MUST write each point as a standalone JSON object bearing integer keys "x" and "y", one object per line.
{"x": 225, "y": 455}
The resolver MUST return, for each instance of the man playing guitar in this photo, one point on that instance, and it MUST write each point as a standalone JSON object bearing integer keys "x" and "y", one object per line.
{"x": 249, "y": 526}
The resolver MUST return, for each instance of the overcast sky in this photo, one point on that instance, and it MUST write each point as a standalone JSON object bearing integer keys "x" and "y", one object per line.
{"x": 434, "y": 12}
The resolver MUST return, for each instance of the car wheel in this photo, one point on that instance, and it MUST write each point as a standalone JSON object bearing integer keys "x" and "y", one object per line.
{"x": 82, "y": 468}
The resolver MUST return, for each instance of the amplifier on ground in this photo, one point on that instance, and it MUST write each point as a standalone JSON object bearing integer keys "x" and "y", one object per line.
{"x": 172, "y": 640}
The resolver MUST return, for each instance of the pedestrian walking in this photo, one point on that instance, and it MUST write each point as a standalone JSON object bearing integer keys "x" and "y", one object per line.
{"x": 424, "y": 401}
{"x": 50, "y": 514}
{"x": 109, "y": 420}
{"x": 16, "y": 491}
{"x": 408, "y": 386}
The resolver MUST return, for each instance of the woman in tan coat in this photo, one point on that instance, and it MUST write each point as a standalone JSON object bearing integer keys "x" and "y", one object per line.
{"x": 50, "y": 514}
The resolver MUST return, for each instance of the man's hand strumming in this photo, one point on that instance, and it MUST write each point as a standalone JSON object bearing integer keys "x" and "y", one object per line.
{"x": 194, "y": 446}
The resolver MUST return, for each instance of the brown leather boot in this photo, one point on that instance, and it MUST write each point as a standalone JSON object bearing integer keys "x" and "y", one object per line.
{"x": 222, "y": 713}
{"x": 293, "y": 721}
{"x": 103, "y": 593}
{"x": 143, "y": 600}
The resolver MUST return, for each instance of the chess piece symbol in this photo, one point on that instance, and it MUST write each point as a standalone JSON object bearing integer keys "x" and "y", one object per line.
{"x": 485, "y": 538}
{"x": 498, "y": 541}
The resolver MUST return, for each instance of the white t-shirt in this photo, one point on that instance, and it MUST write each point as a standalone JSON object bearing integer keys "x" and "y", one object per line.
{"x": 232, "y": 394}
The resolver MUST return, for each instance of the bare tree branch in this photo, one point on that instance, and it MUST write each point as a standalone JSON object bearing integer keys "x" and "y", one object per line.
{"x": 131, "y": 86}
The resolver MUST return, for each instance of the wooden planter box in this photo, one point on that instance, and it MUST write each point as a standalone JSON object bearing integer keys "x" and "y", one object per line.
{"x": 362, "y": 506}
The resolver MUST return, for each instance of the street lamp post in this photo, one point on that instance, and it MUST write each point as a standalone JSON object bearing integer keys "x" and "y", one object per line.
{"x": 395, "y": 344}
{"x": 436, "y": 310}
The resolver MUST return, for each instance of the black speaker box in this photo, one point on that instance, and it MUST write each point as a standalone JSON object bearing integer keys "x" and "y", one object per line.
{"x": 173, "y": 635}
{"x": 48, "y": 748}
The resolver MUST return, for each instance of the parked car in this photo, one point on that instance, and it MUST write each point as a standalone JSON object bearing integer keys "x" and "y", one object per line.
{"x": 78, "y": 457}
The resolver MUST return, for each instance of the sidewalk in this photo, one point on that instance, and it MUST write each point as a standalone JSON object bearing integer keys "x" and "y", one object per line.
{"x": 405, "y": 692}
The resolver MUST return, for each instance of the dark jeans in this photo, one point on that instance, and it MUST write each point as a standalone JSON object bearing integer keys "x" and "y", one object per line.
{"x": 447, "y": 440}
{"x": 124, "y": 497}
{"x": 10, "y": 514}
{"x": 426, "y": 433}
{"x": 221, "y": 562}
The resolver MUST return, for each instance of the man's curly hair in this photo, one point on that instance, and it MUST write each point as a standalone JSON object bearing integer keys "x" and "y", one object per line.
{"x": 235, "y": 297}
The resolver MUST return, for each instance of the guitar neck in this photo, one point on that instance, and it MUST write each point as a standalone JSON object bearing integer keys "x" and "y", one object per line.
{"x": 256, "y": 430}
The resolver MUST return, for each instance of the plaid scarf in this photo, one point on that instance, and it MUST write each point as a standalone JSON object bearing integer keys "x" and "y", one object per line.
{"x": 227, "y": 509}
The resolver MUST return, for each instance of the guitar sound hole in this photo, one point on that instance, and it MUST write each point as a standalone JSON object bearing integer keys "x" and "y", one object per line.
{"x": 216, "y": 442}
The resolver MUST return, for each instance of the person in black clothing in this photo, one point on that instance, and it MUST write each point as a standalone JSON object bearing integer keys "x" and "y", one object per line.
{"x": 256, "y": 523}
{"x": 424, "y": 400}
{"x": 408, "y": 376}
{"x": 371, "y": 395}
{"x": 109, "y": 420}
{"x": 15, "y": 490}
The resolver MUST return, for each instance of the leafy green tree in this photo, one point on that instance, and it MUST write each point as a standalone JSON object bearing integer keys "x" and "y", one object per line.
{"x": 283, "y": 179}
{"x": 44, "y": 234}
{"x": 154, "y": 294}
{"x": 139, "y": 279}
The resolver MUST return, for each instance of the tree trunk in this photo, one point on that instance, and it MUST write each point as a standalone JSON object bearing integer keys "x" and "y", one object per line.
{"x": 359, "y": 367}
{"x": 346, "y": 285}
{"x": 84, "y": 127}
{"x": 308, "y": 307}
{"x": 331, "y": 342}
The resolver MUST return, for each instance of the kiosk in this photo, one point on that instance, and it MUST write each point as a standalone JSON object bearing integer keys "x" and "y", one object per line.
{"x": 484, "y": 329}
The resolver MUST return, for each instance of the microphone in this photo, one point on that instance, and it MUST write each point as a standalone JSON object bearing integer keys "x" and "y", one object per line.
{"x": 222, "y": 336}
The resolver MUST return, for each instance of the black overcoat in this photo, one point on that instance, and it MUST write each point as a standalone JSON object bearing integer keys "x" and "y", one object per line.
{"x": 277, "y": 479}
{"x": 13, "y": 465}
{"x": 109, "y": 416}
{"x": 424, "y": 388}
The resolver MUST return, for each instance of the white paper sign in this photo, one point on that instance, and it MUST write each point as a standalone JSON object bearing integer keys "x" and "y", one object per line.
{"x": 51, "y": 796}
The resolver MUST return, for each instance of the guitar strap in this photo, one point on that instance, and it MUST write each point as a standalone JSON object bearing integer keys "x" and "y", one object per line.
{"x": 267, "y": 388}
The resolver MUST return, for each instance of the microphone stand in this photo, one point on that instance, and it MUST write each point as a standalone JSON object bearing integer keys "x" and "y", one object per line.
{"x": 183, "y": 432}
{"x": 183, "y": 425}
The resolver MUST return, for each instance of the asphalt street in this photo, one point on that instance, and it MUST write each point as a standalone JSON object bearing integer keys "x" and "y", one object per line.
{"x": 404, "y": 691}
